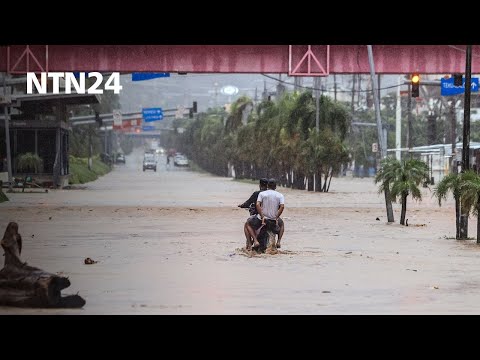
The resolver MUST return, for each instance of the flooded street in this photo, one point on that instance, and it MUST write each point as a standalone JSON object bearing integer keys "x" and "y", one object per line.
{"x": 167, "y": 242}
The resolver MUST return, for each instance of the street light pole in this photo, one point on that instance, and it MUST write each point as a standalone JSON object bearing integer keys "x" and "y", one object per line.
{"x": 466, "y": 135}
{"x": 409, "y": 120}
{"x": 317, "y": 103}
{"x": 7, "y": 135}
{"x": 381, "y": 143}
{"x": 398, "y": 122}
{"x": 466, "y": 111}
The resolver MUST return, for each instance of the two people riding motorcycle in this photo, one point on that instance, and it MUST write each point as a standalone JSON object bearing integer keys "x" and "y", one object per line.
{"x": 265, "y": 207}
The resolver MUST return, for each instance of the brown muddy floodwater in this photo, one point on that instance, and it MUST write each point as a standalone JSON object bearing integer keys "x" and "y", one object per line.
{"x": 170, "y": 243}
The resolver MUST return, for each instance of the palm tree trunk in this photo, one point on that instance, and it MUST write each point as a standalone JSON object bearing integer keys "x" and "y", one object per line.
{"x": 457, "y": 218}
{"x": 310, "y": 181}
{"x": 325, "y": 182}
{"x": 290, "y": 179}
{"x": 388, "y": 205}
{"x": 283, "y": 179}
{"x": 463, "y": 226}
{"x": 463, "y": 223}
{"x": 329, "y": 181}
{"x": 404, "y": 209}
{"x": 318, "y": 180}
{"x": 299, "y": 181}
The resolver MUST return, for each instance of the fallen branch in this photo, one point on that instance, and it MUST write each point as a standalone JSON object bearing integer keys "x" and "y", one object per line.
{"x": 22, "y": 285}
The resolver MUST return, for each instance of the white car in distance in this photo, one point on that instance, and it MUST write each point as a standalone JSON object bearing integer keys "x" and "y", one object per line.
{"x": 180, "y": 160}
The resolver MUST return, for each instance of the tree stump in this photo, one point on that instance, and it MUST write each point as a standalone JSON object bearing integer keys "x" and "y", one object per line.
{"x": 22, "y": 285}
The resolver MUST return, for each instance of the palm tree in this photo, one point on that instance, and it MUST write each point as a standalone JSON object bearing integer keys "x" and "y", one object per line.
{"x": 451, "y": 183}
{"x": 470, "y": 195}
{"x": 385, "y": 176}
{"x": 402, "y": 179}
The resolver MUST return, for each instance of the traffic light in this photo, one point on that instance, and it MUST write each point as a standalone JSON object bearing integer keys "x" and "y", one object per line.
{"x": 415, "y": 85}
{"x": 457, "y": 79}
{"x": 194, "y": 108}
{"x": 190, "y": 113}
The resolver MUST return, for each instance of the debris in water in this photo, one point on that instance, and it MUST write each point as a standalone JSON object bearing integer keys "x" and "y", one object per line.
{"x": 89, "y": 261}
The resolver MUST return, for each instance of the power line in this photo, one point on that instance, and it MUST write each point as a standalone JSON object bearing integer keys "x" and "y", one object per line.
{"x": 462, "y": 50}
{"x": 343, "y": 91}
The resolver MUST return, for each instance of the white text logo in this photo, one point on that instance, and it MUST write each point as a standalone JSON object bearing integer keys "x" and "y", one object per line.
{"x": 73, "y": 80}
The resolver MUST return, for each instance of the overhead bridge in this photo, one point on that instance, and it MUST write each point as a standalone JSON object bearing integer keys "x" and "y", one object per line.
{"x": 295, "y": 60}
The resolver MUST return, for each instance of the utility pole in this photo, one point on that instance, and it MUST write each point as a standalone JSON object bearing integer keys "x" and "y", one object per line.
{"x": 317, "y": 176}
{"x": 398, "y": 122}
{"x": 105, "y": 137}
{"x": 354, "y": 77}
{"x": 379, "y": 87}
{"x": 466, "y": 111}
{"x": 297, "y": 82}
{"x": 453, "y": 135}
{"x": 409, "y": 122}
{"x": 6, "y": 110}
{"x": 90, "y": 146}
{"x": 316, "y": 82}
{"x": 466, "y": 136}
{"x": 280, "y": 88}
{"x": 383, "y": 150}
{"x": 335, "y": 85}
{"x": 431, "y": 128}
{"x": 359, "y": 89}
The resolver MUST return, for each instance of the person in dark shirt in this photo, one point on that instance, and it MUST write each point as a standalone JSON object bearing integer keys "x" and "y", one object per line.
{"x": 250, "y": 235}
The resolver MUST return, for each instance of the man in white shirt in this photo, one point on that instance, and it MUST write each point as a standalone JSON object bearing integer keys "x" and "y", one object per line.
{"x": 270, "y": 205}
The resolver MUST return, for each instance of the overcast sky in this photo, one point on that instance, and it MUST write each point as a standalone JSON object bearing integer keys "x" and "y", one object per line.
{"x": 206, "y": 89}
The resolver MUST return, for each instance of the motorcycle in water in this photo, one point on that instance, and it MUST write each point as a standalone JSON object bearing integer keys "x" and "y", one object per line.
{"x": 266, "y": 235}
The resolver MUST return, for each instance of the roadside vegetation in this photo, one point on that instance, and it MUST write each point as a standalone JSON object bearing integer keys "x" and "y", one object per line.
{"x": 79, "y": 172}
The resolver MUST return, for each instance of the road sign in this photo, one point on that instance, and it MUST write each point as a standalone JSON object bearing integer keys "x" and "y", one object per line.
{"x": 448, "y": 88}
{"x": 374, "y": 147}
{"x": 139, "y": 76}
{"x": 152, "y": 114}
{"x": 148, "y": 128}
{"x": 117, "y": 118}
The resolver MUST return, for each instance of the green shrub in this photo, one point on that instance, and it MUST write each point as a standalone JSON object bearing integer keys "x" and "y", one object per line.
{"x": 80, "y": 174}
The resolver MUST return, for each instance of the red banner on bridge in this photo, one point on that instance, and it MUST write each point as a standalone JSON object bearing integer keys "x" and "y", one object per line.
{"x": 128, "y": 125}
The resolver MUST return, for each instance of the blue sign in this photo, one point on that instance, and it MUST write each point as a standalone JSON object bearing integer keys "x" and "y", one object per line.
{"x": 449, "y": 89}
{"x": 152, "y": 114}
{"x": 148, "y": 128}
{"x": 77, "y": 74}
{"x": 139, "y": 76}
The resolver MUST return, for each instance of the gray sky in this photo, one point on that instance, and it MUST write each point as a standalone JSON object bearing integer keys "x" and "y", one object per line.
{"x": 182, "y": 90}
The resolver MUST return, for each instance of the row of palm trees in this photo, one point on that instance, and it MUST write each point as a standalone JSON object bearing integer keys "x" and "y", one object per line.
{"x": 279, "y": 139}
{"x": 273, "y": 139}
{"x": 402, "y": 178}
